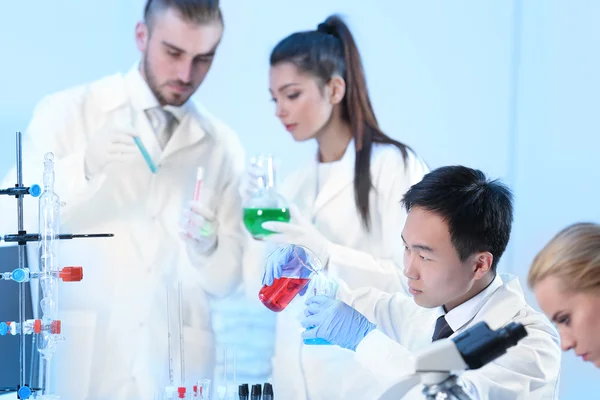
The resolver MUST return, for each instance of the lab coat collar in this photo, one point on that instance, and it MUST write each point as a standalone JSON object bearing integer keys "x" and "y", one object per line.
{"x": 464, "y": 313}
{"x": 344, "y": 175}
{"x": 504, "y": 304}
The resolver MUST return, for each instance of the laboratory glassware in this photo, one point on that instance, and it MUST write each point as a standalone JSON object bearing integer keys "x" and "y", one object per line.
{"x": 266, "y": 204}
{"x": 298, "y": 265}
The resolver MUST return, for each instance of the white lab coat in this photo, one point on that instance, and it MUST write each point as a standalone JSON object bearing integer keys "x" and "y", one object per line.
{"x": 114, "y": 320}
{"x": 359, "y": 257}
{"x": 529, "y": 370}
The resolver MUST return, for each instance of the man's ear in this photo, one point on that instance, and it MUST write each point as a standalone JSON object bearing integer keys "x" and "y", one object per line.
{"x": 483, "y": 264}
{"x": 141, "y": 36}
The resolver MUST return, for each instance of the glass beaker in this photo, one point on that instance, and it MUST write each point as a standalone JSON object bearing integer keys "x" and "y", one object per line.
{"x": 321, "y": 285}
{"x": 266, "y": 204}
{"x": 297, "y": 265}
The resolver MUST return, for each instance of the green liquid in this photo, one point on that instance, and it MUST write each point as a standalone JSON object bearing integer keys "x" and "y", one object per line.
{"x": 254, "y": 217}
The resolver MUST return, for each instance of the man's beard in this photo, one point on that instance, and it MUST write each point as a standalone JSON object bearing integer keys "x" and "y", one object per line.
{"x": 153, "y": 85}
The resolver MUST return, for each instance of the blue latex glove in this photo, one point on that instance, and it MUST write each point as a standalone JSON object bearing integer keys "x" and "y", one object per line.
{"x": 285, "y": 261}
{"x": 335, "y": 322}
{"x": 299, "y": 231}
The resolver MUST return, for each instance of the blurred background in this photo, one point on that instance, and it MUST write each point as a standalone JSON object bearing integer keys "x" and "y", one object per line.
{"x": 507, "y": 86}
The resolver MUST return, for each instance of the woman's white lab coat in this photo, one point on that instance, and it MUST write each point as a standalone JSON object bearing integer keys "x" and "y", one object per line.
{"x": 114, "y": 320}
{"x": 328, "y": 372}
{"x": 529, "y": 370}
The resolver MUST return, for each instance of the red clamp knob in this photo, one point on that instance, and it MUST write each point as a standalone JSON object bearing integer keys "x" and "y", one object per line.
{"x": 55, "y": 327}
{"x": 37, "y": 326}
{"x": 181, "y": 391}
{"x": 71, "y": 274}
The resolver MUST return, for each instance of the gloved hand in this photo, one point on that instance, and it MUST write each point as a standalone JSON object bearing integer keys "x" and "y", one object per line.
{"x": 251, "y": 182}
{"x": 199, "y": 229}
{"x": 110, "y": 144}
{"x": 286, "y": 261}
{"x": 334, "y": 321}
{"x": 299, "y": 231}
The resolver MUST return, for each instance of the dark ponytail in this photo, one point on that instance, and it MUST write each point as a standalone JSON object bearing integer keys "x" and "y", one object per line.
{"x": 328, "y": 51}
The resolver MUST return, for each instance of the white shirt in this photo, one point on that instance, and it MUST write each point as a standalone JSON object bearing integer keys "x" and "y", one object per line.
{"x": 324, "y": 172}
{"x": 460, "y": 315}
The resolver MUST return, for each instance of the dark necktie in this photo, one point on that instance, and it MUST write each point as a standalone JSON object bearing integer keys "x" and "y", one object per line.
{"x": 442, "y": 329}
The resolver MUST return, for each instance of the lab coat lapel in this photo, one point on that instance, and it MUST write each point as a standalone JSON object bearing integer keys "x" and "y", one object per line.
{"x": 341, "y": 177}
{"x": 191, "y": 130}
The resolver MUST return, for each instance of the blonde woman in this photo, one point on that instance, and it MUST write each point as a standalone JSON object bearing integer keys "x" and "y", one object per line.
{"x": 565, "y": 277}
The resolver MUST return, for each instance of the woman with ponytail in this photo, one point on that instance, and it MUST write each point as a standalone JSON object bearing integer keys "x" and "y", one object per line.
{"x": 345, "y": 202}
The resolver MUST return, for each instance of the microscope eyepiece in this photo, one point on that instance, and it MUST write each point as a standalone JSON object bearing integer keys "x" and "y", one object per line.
{"x": 512, "y": 333}
{"x": 480, "y": 345}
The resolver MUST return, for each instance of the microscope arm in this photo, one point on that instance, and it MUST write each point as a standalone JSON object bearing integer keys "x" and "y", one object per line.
{"x": 471, "y": 349}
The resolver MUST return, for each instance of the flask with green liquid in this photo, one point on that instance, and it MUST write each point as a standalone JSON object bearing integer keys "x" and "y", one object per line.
{"x": 266, "y": 204}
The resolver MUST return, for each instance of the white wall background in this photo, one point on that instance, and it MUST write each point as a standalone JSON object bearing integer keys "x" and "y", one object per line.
{"x": 510, "y": 87}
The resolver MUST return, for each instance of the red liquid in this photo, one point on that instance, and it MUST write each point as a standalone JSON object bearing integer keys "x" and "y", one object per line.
{"x": 277, "y": 296}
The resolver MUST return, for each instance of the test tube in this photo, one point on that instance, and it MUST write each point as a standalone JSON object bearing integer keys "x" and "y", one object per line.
{"x": 235, "y": 366}
{"x": 204, "y": 389}
{"x": 181, "y": 341}
{"x": 198, "y": 186}
{"x": 169, "y": 341}
{"x": 145, "y": 154}
{"x": 136, "y": 120}
{"x": 225, "y": 367}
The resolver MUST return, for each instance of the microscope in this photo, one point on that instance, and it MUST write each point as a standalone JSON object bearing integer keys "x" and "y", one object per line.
{"x": 472, "y": 349}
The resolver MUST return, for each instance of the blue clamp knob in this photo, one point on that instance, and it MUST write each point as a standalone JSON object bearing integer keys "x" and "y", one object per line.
{"x": 24, "y": 392}
{"x": 20, "y": 275}
{"x": 3, "y": 328}
{"x": 35, "y": 190}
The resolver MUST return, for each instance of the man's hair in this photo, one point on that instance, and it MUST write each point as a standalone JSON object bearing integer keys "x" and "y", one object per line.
{"x": 198, "y": 11}
{"x": 478, "y": 211}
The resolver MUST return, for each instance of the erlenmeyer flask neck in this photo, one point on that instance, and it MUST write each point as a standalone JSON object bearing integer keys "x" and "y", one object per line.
{"x": 269, "y": 173}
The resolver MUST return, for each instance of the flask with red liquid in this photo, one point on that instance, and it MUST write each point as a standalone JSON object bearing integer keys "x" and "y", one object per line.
{"x": 297, "y": 265}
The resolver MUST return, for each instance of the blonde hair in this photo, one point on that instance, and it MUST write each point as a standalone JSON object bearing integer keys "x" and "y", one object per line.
{"x": 572, "y": 256}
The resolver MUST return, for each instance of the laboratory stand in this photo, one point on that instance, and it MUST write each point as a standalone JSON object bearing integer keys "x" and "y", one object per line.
{"x": 44, "y": 332}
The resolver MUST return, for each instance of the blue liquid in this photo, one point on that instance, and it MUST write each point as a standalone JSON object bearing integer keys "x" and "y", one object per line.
{"x": 146, "y": 155}
{"x": 316, "y": 341}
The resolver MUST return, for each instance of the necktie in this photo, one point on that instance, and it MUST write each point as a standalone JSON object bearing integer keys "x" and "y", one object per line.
{"x": 442, "y": 329}
{"x": 164, "y": 124}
